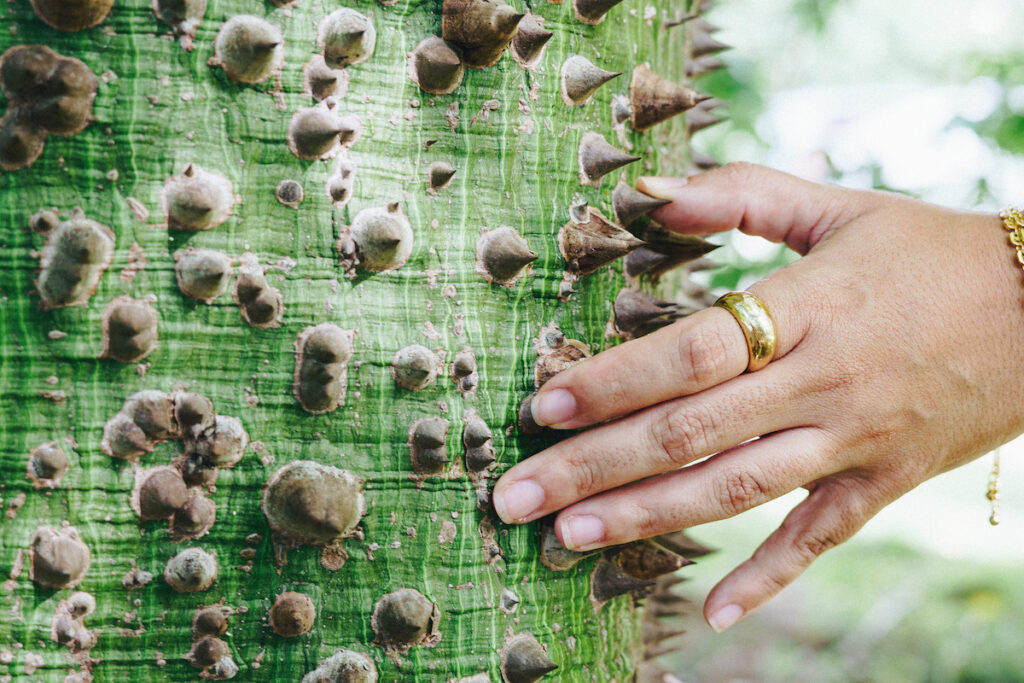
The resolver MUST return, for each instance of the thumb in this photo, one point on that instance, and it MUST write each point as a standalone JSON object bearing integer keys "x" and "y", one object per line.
{"x": 757, "y": 200}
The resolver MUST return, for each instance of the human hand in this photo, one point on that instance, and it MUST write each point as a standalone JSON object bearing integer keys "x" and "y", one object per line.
{"x": 900, "y": 356}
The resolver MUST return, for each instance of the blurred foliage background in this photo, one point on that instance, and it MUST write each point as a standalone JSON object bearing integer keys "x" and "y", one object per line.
{"x": 925, "y": 98}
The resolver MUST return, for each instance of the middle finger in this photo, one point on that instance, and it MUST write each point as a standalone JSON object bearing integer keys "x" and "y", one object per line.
{"x": 659, "y": 439}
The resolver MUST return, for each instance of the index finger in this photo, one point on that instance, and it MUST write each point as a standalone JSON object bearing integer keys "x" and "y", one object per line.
{"x": 688, "y": 356}
{"x": 756, "y": 200}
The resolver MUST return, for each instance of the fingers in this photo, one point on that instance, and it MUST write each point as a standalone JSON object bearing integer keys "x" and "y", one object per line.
{"x": 691, "y": 355}
{"x": 660, "y": 439}
{"x": 720, "y": 487}
{"x": 700, "y": 351}
{"x": 830, "y": 515}
{"x": 757, "y": 200}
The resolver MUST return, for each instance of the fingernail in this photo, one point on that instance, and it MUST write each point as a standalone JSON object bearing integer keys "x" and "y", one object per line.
{"x": 518, "y": 501}
{"x": 582, "y": 532}
{"x": 553, "y": 407}
{"x": 725, "y": 617}
{"x": 662, "y": 188}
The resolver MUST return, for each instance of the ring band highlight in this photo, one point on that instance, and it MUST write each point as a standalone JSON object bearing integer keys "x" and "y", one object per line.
{"x": 756, "y": 323}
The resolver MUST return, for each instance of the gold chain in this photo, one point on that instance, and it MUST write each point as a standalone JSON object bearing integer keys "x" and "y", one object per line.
{"x": 1013, "y": 221}
{"x": 993, "y": 490}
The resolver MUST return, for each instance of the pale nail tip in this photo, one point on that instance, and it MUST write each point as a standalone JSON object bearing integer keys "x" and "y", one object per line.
{"x": 554, "y": 408}
{"x": 534, "y": 412}
{"x": 519, "y": 502}
{"x": 725, "y": 617}
{"x": 583, "y": 533}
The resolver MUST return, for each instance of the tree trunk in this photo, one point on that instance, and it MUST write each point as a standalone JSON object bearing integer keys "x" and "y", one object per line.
{"x": 170, "y": 128}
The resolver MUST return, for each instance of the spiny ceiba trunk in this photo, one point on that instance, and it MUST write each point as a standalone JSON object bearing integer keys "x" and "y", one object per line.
{"x": 337, "y": 244}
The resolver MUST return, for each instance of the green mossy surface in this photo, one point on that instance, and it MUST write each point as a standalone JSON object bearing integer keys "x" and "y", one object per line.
{"x": 159, "y": 108}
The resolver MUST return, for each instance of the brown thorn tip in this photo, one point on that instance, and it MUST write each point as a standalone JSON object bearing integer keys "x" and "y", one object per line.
{"x": 655, "y": 99}
{"x": 502, "y": 254}
{"x": 592, "y": 11}
{"x": 598, "y": 158}
{"x": 436, "y": 66}
{"x": 524, "y": 660}
{"x": 529, "y": 40}
{"x": 596, "y": 243}
{"x": 608, "y": 581}
{"x": 581, "y": 79}
{"x": 704, "y": 44}
{"x": 630, "y": 204}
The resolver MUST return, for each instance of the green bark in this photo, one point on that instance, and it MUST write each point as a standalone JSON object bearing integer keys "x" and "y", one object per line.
{"x": 159, "y": 108}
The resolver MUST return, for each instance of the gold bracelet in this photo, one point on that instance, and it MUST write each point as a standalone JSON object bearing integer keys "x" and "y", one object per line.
{"x": 1013, "y": 221}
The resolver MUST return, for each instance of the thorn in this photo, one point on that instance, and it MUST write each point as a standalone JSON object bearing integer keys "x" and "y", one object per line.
{"x": 529, "y": 41}
{"x": 589, "y": 246}
{"x": 482, "y": 28}
{"x": 679, "y": 20}
{"x": 705, "y": 26}
{"x": 506, "y": 20}
{"x": 592, "y": 11}
{"x": 436, "y": 66}
{"x": 637, "y": 314}
{"x": 608, "y": 581}
{"x": 502, "y": 254}
{"x": 700, "y": 264}
{"x": 346, "y": 37}
{"x": 695, "y": 68}
{"x": 655, "y": 99}
{"x": 628, "y": 203}
{"x": 553, "y": 554}
{"x": 525, "y": 421}
{"x": 646, "y": 559}
{"x": 266, "y": 45}
{"x": 622, "y": 110}
{"x": 581, "y": 79}
{"x": 698, "y": 118}
{"x": 678, "y": 246}
{"x": 679, "y": 542}
{"x": 427, "y": 445}
{"x": 440, "y": 174}
{"x": 702, "y": 161}
{"x": 524, "y": 660}
{"x": 702, "y": 43}
{"x": 597, "y": 158}
{"x": 314, "y": 133}
{"x": 654, "y": 631}
{"x": 644, "y": 261}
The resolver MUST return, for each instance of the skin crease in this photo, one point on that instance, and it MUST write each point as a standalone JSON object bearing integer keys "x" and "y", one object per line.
{"x": 900, "y": 356}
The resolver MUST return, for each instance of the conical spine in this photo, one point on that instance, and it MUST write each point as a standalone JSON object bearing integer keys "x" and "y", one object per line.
{"x": 581, "y": 78}
{"x": 655, "y": 99}
{"x": 630, "y": 204}
{"x": 598, "y": 158}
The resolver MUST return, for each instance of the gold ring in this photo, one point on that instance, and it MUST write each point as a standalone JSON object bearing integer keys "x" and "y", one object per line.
{"x": 756, "y": 323}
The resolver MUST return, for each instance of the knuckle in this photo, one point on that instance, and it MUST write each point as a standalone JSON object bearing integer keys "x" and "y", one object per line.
{"x": 811, "y": 546}
{"x": 773, "y": 583}
{"x": 702, "y": 355}
{"x": 646, "y": 522}
{"x": 585, "y": 475}
{"x": 684, "y": 435}
{"x": 741, "y": 489}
